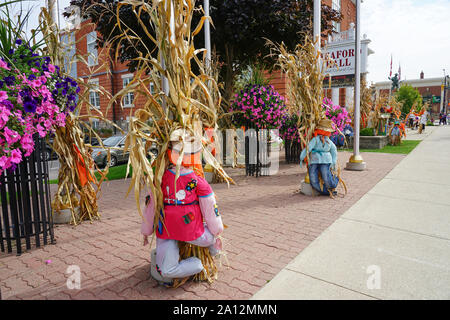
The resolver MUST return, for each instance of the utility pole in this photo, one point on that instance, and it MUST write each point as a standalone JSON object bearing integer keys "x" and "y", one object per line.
{"x": 207, "y": 34}
{"x": 164, "y": 80}
{"x": 53, "y": 9}
{"x": 316, "y": 26}
{"x": 356, "y": 161}
{"x": 444, "y": 102}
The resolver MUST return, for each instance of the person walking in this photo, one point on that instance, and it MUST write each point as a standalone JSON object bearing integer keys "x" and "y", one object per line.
{"x": 423, "y": 121}
{"x": 411, "y": 120}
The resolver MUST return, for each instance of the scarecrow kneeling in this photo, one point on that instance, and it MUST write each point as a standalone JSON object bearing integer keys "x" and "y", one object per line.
{"x": 395, "y": 134}
{"x": 190, "y": 214}
{"x": 322, "y": 158}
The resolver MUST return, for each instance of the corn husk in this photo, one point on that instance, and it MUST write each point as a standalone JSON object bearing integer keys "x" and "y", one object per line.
{"x": 69, "y": 141}
{"x": 305, "y": 70}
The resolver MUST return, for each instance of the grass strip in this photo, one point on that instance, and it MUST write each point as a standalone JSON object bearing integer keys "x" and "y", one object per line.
{"x": 405, "y": 147}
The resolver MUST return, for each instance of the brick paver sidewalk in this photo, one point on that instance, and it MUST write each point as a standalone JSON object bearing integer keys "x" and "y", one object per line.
{"x": 268, "y": 226}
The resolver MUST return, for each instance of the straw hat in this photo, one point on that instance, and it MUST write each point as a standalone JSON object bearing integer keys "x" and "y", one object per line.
{"x": 182, "y": 137}
{"x": 325, "y": 125}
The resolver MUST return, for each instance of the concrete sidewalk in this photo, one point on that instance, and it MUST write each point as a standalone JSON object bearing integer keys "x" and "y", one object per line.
{"x": 394, "y": 243}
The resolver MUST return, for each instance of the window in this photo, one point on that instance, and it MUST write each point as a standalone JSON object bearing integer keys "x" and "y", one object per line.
{"x": 95, "y": 123}
{"x": 68, "y": 46}
{"x": 94, "y": 95}
{"x": 152, "y": 88}
{"x": 92, "y": 48}
{"x": 129, "y": 97}
{"x": 336, "y": 5}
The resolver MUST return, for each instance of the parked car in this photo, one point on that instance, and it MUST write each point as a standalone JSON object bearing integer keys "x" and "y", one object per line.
{"x": 93, "y": 141}
{"x": 100, "y": 155}
{"x": 48, "y": 154}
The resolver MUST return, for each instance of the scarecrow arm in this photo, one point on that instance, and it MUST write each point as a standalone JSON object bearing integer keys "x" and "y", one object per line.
{"x": 333, "y": 152}
{"x": 311, "y": 146}
{"x": 211, "y": 214}
{"x": 149, "y": 216}
{"x": 208, "y": 206}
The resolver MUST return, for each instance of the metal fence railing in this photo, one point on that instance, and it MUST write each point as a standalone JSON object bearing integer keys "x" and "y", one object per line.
{"x": 257, "y": 151}
{"x": 26, "y": 217}
{"x": 292, "y": 150}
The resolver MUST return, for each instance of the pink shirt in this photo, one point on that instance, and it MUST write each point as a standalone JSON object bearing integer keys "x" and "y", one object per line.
{"x": 183, "y": 218}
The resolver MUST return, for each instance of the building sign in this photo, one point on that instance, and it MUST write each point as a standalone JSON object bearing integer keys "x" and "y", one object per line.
{"x": 343, "y": 55}
{"x": 436, "y": 99}
{"x": 339, "y": 81}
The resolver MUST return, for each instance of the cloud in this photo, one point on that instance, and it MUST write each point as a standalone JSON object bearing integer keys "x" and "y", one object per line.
{"x": 414, "y": 32}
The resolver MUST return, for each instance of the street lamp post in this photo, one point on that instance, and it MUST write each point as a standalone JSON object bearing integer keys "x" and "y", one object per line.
{"x": 207, "y": 34}
{"x": 356, "y": 161}
{"x": 444, "y": 102}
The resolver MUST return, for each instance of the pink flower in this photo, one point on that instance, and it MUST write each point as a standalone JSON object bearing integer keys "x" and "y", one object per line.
{"x": 34, "y": 70}
{"x": 11, "y": 136}
{"x": 3, "y": 96}
{"x": 5, "y": 162}
{"x": 16, "y": 156}
{"x": 4, "y": 65}
{"x": 42, "y": 132}
{"x": 51, "y": 68}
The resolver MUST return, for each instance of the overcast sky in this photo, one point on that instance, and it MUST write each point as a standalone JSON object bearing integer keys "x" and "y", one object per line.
{"x": 415, "y": 32}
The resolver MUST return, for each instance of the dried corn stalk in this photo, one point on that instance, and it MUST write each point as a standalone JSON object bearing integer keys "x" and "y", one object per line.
{"x": 305, "y": 70}
{"x": 190, "y": 104}
{"x": 76, "y": 179}
{"x": 396, "y": 106}
{"x": 375, "y": 115}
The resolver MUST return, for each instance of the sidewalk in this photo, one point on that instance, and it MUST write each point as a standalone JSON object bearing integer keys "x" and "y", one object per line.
{"x": 394, "y": 243}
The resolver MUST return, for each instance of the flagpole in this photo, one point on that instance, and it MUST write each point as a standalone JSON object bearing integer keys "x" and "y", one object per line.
{"x": 356, "y": 162}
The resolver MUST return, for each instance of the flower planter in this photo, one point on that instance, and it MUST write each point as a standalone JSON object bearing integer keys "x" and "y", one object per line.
{"x": 65, "y": 216}
{"x": 371, "y": 142}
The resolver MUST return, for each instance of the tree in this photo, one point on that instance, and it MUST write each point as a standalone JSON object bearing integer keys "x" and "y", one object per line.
{"x": 408, "y": 95}
{"x": 239, "y": 33}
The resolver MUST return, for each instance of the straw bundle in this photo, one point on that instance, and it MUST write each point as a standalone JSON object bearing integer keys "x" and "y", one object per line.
{"x": 305, "y": 70}
{"x": 76, "y": 177}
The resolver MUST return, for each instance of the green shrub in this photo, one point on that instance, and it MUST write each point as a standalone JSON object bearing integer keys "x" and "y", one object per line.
{"x": 429, "y": 123}
{"x": 366, "y": 132}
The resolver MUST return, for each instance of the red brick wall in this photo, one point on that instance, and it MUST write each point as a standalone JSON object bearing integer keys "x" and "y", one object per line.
{"x": 104, "y": 73}
{"x": 348, "y": 11}
{"x": 279, "y": 81}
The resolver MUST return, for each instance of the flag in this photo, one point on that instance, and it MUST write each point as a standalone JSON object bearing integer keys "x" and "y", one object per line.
{"x": 390, "y": 73}
{"x": 399, "y": 72}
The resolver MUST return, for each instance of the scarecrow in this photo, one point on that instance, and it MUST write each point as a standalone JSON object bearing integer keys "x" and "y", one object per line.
{"x": 190, "y": 214}
{"x": 395, "y": 134}
{"x": 322, "y": 159}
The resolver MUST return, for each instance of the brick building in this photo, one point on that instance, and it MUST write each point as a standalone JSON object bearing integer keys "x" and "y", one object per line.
{"x": 342, "y": 96}
{"x": 431, "y": 90}
{"x": 114, "y": 76}
{"x": 102, "y": 71}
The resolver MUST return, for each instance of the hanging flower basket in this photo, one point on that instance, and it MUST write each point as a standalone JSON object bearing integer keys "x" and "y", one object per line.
{"x": 257, "y": 108}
